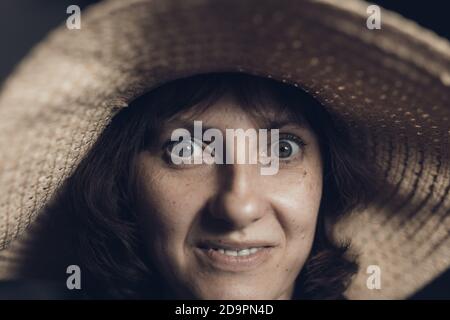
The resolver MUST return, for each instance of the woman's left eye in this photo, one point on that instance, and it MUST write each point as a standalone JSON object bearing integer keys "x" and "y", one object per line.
{"x": 288, "y": 146}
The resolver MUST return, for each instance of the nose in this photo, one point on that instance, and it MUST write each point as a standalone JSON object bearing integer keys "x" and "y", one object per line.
{"x": 239, "y": 201}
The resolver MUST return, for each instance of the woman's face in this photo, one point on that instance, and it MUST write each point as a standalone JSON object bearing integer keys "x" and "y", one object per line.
{"x": 225, "y": 231}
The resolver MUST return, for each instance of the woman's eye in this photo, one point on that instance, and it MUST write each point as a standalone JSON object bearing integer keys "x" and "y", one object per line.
{"x": 288, "y": 146}
{"x": 185, "y": 150}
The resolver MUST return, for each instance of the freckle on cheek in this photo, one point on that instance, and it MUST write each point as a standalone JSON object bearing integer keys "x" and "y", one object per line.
{"x": 302, "y": 234}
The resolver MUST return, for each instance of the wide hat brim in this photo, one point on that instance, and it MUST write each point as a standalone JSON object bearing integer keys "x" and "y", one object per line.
{"x": 390, "y": 86}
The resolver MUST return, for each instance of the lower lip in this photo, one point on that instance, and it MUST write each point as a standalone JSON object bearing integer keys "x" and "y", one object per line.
{"x": 235, "y": 263}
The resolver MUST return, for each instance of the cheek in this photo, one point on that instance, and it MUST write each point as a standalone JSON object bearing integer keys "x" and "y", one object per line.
{"x": 164, "y": 206}
{"x": 297, "y": 201}
{"x": 167, "y": 208}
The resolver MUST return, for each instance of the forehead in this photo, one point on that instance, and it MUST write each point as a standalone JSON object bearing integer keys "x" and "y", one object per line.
{"x": 228, "y": 110}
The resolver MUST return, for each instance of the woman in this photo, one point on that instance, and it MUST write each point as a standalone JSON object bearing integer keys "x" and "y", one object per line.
{"x": 183, "y": 215}
{"x": 144, "y": 226}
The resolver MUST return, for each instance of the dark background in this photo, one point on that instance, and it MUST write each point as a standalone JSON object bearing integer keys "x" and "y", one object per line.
{"x": 25, "y": 22}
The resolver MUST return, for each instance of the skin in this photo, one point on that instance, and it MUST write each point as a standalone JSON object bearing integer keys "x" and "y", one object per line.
{"x": 181, "y": 204}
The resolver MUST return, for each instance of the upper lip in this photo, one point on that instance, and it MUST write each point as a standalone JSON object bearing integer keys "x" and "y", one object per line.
{"x": 228, "y": 244}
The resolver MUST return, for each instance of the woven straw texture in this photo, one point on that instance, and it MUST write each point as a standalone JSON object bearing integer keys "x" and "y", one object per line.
{"x": 390, "y": 86}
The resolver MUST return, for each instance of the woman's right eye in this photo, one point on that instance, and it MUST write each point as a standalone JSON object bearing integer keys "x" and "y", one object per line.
{"x": 185, "y": 151}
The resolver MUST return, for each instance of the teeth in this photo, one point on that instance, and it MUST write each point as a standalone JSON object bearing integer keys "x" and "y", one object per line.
{"x": 244, "y": 252}
{"x": 231, "y": 252}
{"x": 234, "y": 253}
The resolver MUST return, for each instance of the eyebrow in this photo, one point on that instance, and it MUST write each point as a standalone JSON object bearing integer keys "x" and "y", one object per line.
{"x": 276, "y": 124}
{"x": 188, "y": 124}
{"x": 268, "y": 124}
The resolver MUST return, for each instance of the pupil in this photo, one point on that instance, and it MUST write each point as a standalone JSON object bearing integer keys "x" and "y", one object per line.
{"x": 186, "y": 151}
{"x": 285, "y": 149}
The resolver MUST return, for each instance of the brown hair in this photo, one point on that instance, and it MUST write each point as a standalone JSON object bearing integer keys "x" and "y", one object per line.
{"x": 100, "y": 193}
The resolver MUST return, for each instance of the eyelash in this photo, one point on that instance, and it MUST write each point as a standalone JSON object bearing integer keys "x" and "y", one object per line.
{"x": 297, "y": 139}
{"x": 166, "y": 154}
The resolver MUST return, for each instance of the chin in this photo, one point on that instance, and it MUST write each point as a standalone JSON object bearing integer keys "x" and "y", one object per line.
{"x": 215, "y": 292}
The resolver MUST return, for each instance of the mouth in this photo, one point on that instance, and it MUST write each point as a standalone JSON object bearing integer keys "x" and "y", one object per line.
{"x": 234, "y": 257}
{"x": 236, "y": 252}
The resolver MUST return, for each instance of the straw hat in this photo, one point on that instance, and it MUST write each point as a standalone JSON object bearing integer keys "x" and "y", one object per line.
{"x": 390, "y": 86}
